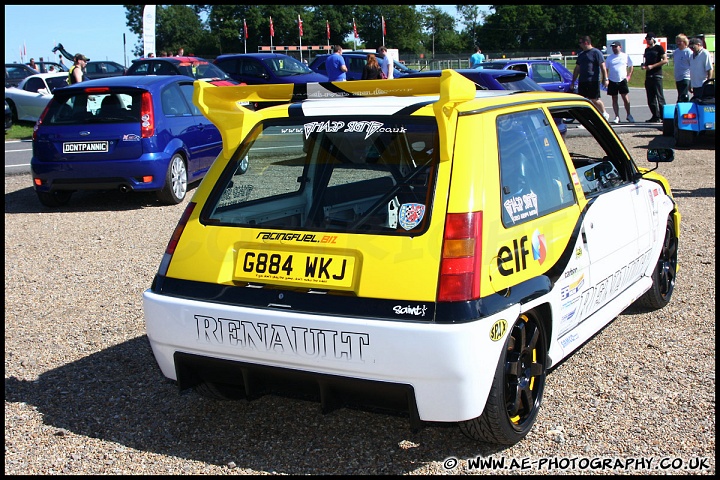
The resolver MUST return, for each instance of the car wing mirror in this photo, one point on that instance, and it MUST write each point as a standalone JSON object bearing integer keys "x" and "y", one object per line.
{"x": 658, "y": 155}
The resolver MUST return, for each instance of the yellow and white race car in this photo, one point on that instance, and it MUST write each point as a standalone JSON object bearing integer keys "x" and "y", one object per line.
{"x": 410, "y": 244}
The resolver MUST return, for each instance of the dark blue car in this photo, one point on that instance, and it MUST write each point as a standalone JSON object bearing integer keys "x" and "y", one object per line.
{"x": 133, "y": 133}
{"x": 263, "y": 68}
{"x": 550, "y": 75}
{"x": 493, "y": 79}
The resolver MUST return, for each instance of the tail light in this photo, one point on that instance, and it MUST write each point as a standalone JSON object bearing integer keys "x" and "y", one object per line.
{"x": 39, "y": 121}
{"x": 147, "y": 118}
{"x": 689, "y": 116}
{"x": 461, "y": 258}
{"x": 172, "y": 244}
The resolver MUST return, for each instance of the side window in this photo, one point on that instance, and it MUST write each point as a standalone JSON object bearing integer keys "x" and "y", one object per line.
{"x": 34, "y": 85}
{"x": 251, "y": 68}
{"x": 521, "y": 67}
{"x": 599, "y": 160}
{"x": 229, "y": 66}
{"x": 142, "y": 69}
{"x": 321, "y": 66}
{"x": 173, "y": 102}
{"x": 534, "y": 177}
{"x": 187, "y": 91}
{"x": 545, "y": 74}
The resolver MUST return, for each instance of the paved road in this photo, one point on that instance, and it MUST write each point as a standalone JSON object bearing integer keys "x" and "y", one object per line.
{"x": 18, "y": 153}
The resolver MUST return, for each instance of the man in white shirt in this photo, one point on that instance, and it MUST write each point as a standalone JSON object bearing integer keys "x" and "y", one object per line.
{"x": 620, "y": 68}
{"x": 388, "y": 63}
{"x": 681, "y": 67}
{"x": 700, "y": 67}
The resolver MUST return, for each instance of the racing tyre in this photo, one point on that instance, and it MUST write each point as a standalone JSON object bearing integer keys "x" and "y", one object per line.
{"x": 663, "y": 276}
{"x": 668, "y": 127}
{"x": 55, "y": 199}
{"x": 13, "y": 109}
{"x": 175, "y": 188}
{"x": 516, "y": 393}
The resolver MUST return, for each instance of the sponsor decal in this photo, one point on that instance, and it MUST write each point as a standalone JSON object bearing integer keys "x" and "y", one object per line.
{"x": 513, "y": 260}
{"x": 539, "y": 247}
{"x": 573, "y": 288}
{"x": 578, "y": 252}
{"x": 130, "y": 137}
{"x": 417, "y": 310}
{"x": 569, "y": 309}
{"x": 575, "y": 179}
{"x": 521, "y": 207}
{"x": 570, "y": 272}
{"x": 411, "y": 214}
{"x": 569, "y": 339}
{"x": 295, "y": 237}
{"x": 334, "y": 126}
{"x": 283, "y": 340}
{"x": 497, "y": 331}
{"x": 709, "y": 109}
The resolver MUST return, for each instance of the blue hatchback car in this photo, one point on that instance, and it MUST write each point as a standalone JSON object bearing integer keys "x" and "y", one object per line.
{"x": 491, "y": 79}
{"x": 133, "y": 133}
{"x": 550, "y": 75}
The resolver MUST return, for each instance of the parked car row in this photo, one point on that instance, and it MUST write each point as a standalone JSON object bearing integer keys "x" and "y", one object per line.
{"x": 15, "y": 72}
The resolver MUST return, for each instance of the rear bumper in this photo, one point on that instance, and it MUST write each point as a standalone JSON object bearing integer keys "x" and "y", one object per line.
{"x": 446, "y": 369}
{"x": 101, "y": 175}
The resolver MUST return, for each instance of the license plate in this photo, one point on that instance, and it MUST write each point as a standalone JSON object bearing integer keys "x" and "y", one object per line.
{"x": 85, "y": 147}
{"x": 309, "y": 269}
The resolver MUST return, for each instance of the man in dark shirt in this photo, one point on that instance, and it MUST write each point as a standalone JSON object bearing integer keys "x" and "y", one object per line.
{"x": 653, "y": 60}
{"x": 589, "y": 67}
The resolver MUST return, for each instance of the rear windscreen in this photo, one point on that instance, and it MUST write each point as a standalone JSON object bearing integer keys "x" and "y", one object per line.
{"x": 331, "y": 174}
{"x": 80, "y": 107}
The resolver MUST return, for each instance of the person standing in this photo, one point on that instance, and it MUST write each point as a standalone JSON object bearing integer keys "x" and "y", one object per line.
{"x": 34, "y": 65}
{"x": 335, "y": 65}
{"x": 181, "y": 52}
{"x": 653, "y": 60}
{"x": 476, "y": 58}
{"x": 589, "y": 66}
{"x": 620, "y": 69}
{"x": 700, "y": 67}
{"x": 77, "y": 71}
{"x": 388, "y": 62}
{"x": 681, "y": 67}
{"x": 372, "y": 69}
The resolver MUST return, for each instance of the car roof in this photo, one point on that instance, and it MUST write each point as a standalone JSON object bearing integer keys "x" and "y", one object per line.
{"x": 260, "y": 56}
{"x": 130, "y": 81}
{"x": 173, "y": 60}
{"x": 50, "y": 75}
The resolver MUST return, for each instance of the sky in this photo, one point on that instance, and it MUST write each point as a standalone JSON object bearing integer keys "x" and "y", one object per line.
{"x": 96, "y": 31}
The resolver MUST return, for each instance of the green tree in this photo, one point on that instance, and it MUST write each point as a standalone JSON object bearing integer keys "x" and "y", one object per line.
{"x": 439, "y": 34}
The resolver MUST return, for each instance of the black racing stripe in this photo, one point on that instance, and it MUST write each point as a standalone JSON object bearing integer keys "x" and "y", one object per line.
{"x": 299, "y": 92}
{"x": 556, "y": 270}
{"x": 300, "y": 301}
{"x": 409, "y": 110}
{"x": 331, "y": 87}
{"x": 295, "y": 110}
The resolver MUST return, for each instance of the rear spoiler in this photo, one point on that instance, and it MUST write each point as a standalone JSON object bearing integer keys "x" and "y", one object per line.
{"x": 222, "y": 105}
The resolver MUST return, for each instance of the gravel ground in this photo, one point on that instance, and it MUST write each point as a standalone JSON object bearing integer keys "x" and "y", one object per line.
{"x": 83, "y": 394}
